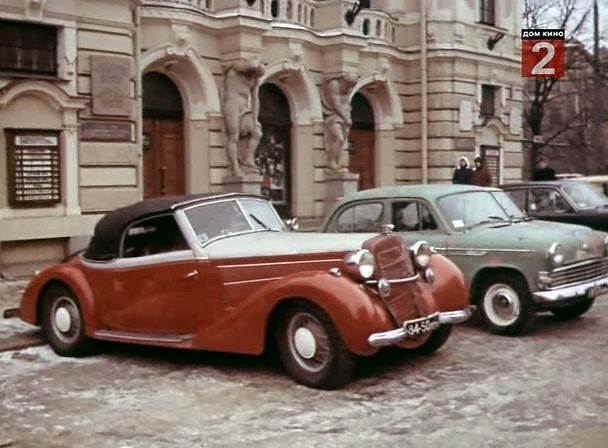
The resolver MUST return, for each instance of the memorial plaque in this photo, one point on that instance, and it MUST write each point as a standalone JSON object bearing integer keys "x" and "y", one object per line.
{"x": 34, "y": 169}
{"x": 106, "y": 131}
{"x": 110, "y": 85}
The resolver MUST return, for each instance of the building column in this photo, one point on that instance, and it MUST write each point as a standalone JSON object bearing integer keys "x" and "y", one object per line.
{"x": 70, "y": 168}
{"x": 196, "y": 144}
{"x": 302, "y": 170}
{"x": 385, "y": 159}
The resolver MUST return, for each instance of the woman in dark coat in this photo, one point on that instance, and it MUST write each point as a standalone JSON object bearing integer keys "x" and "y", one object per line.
{"x": 462, "y": 174}
{"x": 481, "y": 175}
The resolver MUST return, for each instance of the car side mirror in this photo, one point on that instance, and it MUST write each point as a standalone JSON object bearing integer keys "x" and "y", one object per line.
{"x": 292, "y": 224}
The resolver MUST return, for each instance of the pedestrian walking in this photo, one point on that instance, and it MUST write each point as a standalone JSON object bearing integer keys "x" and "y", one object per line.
{"x": 463, "y": 173}
{"x": 481, "y": 176}
{"x": 543, "y": 171}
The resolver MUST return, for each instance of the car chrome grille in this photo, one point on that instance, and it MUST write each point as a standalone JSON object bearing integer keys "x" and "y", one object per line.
{"x": 393, "y": 261}
{"x": 579, "y": 272}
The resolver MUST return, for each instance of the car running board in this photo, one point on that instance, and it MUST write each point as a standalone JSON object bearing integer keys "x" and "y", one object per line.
{"x": 146, "y": 338}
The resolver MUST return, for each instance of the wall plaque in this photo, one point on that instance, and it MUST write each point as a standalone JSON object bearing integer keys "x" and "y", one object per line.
{"x": 110, "y": 85}
{"x": 106, "y": 131}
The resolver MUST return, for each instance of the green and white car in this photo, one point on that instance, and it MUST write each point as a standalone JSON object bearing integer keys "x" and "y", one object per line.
{"x": 513, "y": 265}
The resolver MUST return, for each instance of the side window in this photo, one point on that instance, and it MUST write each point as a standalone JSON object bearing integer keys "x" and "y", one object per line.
{"x": 405, "y": 216}
{"x": 547, "y": 200}
{"x": 361, "y": 218}
{"x": 427, "y": 222}
{"x": 519, "y": 197}
{"x": 153, "y": 236}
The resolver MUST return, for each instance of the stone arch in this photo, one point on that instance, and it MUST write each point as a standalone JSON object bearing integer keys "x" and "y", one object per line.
{"x": 201, "y": 102}
{"x": 383, "y": 97}
{"x": 300, "y": 89}
{"x": 64, "y": 110}
{"x": 194, "y": 80}
{"x": 57, "y": 98}
{"x": 385, "y": 102}
{"x": 305, "y": 107}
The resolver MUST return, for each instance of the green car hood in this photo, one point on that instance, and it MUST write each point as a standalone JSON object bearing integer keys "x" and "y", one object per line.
{"x": 577, "y": 242}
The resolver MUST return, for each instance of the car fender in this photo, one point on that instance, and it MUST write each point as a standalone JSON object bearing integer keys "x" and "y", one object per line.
{"x": 449, "y": 288}
{"x": 489, "y": 267}
{"x": 355, "y": 312}
{"x": 71, "y": 276}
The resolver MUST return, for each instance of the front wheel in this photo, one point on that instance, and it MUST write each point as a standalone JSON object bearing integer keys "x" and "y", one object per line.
{"x": 311, "y": 349}
{"x": 573, "y": 311}
{"x": 505, "y": 304}
{"x": 63, "y": 322}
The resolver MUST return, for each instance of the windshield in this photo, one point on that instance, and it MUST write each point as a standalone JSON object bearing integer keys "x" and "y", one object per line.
{"x": 216, "y": 219}
{"x": 466, "y": 210}
{"x": 583, "y": 196}
{"x": 508, "y": 205}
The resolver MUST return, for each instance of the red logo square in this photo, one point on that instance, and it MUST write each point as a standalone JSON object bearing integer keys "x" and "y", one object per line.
{"x": 542, "y": 54}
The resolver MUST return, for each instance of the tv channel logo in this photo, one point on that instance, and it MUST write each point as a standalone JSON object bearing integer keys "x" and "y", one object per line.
{"x": 542, "y": 53}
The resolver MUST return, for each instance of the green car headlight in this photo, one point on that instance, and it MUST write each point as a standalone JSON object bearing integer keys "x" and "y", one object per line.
{"x": 555, "y": 255}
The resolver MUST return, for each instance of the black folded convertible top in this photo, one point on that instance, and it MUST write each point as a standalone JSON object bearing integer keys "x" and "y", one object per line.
{"x": 105, "y": 243}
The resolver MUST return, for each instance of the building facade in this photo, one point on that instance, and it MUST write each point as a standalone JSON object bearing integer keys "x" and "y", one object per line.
{"x": 134, "y": 105}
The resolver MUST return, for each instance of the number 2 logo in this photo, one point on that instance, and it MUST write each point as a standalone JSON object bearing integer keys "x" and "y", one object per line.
{"x": 540, "y": 68}
{"x": 542, "y": 53}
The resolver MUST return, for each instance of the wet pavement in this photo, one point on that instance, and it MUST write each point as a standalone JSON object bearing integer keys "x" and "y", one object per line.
{"x": 548, "y": 389}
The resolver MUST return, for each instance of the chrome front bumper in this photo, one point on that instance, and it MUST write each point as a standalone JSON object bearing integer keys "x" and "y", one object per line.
{"x": 394, "y": 336}
{"x": 568, "y": 292}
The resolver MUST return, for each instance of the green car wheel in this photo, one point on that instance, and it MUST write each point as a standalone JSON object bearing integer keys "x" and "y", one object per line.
{"x": 505, "y": 305}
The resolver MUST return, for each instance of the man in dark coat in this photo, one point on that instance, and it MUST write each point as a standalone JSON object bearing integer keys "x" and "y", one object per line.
{"x": 543, "y": 171}
{"x": 481, "y": 176}
{"x": 462, "y": 174}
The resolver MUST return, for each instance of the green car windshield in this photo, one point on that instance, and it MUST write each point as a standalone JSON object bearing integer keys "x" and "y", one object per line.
{"x": 469, "y": 209}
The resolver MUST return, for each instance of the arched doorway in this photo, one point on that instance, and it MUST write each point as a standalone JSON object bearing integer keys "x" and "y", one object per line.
{"x": 362, "y": 141}
{"x": 273, "y": 155}
{"x": 163, "y": 137}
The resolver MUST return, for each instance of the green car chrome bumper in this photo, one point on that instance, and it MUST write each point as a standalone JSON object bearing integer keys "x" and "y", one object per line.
{"x": 590, "y": 288}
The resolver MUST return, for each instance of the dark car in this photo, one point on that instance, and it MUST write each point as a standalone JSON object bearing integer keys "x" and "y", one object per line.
{"x": 566, "y": 201}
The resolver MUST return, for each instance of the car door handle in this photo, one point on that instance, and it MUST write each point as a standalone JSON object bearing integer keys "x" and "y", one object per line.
{"x": 191, "y": 274}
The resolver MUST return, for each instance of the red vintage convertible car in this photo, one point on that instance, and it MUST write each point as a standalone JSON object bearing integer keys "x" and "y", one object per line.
{"x": 219, "y": 272}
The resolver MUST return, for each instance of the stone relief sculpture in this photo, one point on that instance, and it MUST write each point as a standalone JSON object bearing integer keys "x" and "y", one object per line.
{"x": 337, "y": 116}
{"x": 241, "y": 114}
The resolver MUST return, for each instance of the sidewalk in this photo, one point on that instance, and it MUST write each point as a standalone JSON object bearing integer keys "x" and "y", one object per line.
{"x": 15, "y": 334}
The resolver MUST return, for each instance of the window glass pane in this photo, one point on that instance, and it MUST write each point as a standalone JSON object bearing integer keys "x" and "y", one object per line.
{"x": 217, "y": 219}
{"x": 153, "y": 236}
{"x": 361, "y": 218}
{"x": 471, "y": 209}
{"x": 262, "y": 215}
{"x": 427, "y": 222}
{"x": 28, "y": 47}
{"x": 584, "y": 196}
{"x": 518, "y": 197}
{"x": 547, "y": 200}
{"x": 405, "y": 216}
{"x": 508, "y": 205}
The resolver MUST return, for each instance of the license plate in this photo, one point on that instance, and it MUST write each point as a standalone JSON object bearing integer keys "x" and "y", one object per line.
{"x": 595, "y": 291}
{"x": 421, "y": 326}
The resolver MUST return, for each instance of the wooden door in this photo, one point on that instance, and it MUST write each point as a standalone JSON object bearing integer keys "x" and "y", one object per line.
{"x": 491, "y": 155}
{"x": 163, "y": 157}
{"x": 362, "y": 157}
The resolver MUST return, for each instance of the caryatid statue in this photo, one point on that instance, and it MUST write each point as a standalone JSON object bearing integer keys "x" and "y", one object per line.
{"x": 241, "y": 109}
{"x": 337, "y": 116}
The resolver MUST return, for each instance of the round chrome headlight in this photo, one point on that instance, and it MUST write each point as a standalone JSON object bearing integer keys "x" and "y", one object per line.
{"x": 363, "y": 261}
{"x": 421, "y": 254}
{"x": 556, "y": 258}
